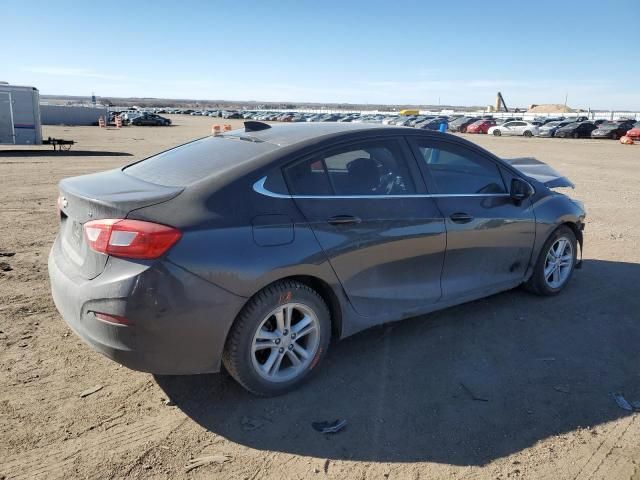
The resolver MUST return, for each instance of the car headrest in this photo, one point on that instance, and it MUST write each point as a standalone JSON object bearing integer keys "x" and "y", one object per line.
{"x": 364, "y": 173}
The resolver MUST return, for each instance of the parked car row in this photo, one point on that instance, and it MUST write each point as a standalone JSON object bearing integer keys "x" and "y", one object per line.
{"x": 590, "y": 129}
{"x": 561, "y": 127}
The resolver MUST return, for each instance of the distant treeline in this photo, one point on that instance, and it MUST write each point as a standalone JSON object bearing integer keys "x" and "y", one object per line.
{"x": 233, "y": 104}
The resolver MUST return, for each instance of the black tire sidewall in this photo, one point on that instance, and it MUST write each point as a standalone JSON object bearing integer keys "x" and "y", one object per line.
{"x": 251, "y": 317}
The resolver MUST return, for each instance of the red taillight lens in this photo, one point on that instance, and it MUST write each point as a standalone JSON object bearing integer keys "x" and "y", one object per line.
{"x": 114, "y": 319}
{"x": 130, "y": 238}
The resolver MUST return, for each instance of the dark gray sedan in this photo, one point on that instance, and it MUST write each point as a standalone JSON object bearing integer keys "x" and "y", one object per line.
{"x": 254, "y": 248}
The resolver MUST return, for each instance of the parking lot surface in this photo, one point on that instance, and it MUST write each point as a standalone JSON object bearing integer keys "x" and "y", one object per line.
{"x": 511, "y": 386}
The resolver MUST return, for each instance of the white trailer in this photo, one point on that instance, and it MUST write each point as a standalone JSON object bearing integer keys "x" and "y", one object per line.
{"x": 19, "y": 115}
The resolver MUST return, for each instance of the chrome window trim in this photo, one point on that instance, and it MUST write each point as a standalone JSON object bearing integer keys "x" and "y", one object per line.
{"x": 259, "y": 187}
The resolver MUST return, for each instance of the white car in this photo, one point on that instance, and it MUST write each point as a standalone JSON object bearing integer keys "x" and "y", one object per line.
{"x": 516, "y": 127}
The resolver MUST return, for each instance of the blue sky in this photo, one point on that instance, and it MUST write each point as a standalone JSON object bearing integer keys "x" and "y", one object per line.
{"x": 413, "y": 52}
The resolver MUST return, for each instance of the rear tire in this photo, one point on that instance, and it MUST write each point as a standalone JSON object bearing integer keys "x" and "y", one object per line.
{"x": 543, "y": 281}
{"x": 576, "y": 135}
{"x": 528, "y": 134}
{"x": 263, "y": 348}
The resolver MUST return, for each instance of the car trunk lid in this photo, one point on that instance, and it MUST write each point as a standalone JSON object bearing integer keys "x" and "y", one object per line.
{"x": 110, "y": 194}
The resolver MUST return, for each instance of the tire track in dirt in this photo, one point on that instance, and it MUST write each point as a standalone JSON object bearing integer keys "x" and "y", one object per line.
{"x": 44, "y": 462}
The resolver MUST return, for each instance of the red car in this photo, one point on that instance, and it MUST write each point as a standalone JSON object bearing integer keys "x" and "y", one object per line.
{"x": 481, "y": 126}
{"x": 634, "y": 133}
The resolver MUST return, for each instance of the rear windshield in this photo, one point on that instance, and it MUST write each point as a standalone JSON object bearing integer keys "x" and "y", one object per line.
{"x": 183, "y": 165}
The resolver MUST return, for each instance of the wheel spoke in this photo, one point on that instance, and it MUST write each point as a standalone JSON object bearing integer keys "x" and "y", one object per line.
{"x": 295, "y": 361}
{"x": 273, "y": 356}
{"x": 556, "y": 275}
{"x": 565, "y": 260}
{"x": 300, "y": 351}
{"x": 306, "y": 331}
{"x": 301, "y": 325}
{"x": 266, "y": 335}
{"x": 280, "y": 320}
{"x": 548, "y": 271}
{"x": 276, "y": 366}
{"x": 264, "y": 345}
{"x": 288, "y": 313}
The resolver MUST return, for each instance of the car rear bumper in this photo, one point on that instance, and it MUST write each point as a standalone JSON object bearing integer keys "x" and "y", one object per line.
{"x": 179, "y": 321}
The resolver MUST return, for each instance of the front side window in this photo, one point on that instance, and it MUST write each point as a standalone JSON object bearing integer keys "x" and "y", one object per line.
{"x": 461, "y": 172}
{"x": 369, "y": 168}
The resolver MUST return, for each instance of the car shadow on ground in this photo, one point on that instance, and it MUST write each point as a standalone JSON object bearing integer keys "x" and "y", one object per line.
{"x": 463, "y": 386}
{"x": 61, "y": 153}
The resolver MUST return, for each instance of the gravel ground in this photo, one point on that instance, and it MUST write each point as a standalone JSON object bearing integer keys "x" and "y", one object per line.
{"x": 512, "y": 386}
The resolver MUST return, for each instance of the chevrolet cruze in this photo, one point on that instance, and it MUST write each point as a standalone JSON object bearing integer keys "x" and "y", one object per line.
{"x": 254, "y": 248}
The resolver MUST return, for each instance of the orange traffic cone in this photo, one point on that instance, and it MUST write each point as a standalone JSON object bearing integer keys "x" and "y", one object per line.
{"x": 215, "y": 130}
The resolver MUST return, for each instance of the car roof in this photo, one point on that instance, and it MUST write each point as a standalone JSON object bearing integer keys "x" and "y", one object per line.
{"x": 295, "y": 133}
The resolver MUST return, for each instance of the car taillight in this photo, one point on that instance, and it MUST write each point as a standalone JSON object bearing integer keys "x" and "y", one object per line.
{"x": 130, "y": 238}
{"x": 110, "y": 318}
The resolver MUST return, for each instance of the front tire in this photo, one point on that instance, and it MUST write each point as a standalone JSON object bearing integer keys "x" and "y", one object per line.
{"x": 528, "y": 134}
{"x": 497, "y": 133}
{"x": 555, "y": 264}
{"x": 278, "y": 339}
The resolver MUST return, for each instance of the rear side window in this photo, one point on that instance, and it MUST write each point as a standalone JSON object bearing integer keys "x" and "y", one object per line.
{"x": 367, "y": 168}
{"x": 308, "y": 178}
{"x": 194, "y": 161}
{"x": 461, "y": 172}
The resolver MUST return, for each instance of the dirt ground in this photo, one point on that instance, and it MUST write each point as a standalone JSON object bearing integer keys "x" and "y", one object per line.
{"x": 538, "y": 373}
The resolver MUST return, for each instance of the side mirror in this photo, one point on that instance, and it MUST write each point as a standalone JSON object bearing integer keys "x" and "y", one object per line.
{"x": 520, "y": 190}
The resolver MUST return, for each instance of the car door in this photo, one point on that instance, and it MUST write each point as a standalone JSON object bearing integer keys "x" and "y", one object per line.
{"x": 585, "y": 129}
{"x": 518, "y": 128}
{"x": 508, "y": 128}
{"x": 384, "y": 238}
{"x": 489, "y": 236}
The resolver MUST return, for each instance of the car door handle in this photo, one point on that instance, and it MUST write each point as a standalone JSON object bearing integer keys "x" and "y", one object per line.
{"x": 343, "y": 220}
{"x": 461, "y": 217}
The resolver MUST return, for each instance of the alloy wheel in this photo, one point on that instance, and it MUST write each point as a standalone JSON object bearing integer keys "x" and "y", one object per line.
{"x": 285, "y": 342}
{"x": 558, "y": 263}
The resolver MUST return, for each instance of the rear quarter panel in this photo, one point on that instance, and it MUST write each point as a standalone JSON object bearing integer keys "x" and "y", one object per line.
{"x": 241, "y": 240}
